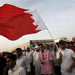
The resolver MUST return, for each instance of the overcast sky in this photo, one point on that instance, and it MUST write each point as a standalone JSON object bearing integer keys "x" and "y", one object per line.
{"x": 58, "y": 16}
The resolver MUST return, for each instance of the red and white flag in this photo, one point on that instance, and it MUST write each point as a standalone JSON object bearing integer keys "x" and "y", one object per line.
{"x": 16, "y": 22}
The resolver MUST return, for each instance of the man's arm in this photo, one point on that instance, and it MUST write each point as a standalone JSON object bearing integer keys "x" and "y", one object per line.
{"x": 73, "y": 65}
{"x": 51, "y": 62}
{"x": 59, "y": 60}
{"x": 53, "y": 71}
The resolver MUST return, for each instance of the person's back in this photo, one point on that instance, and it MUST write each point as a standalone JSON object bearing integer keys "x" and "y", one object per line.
{"x": 2, "y": 64}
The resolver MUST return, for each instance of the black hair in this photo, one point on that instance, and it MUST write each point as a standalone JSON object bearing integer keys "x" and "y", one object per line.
{"x": 41, "y": 45}
{"x": 12, "y": 57}
{"x": 57, "y": 43}
{"x": 47, "y": 44}
{"x": 8, "y": 53}
{"x": 28, "y": 48}
{"x": 51, "y": 45}
{"x": 71, "y": 42}
{"x": 67, "y": 42}
{"x": 18, "y": 49}
{"x": 61, "y": 42}
{"x": 2, "y": 61}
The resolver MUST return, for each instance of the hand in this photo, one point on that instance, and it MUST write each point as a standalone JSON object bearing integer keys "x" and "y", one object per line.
{"x": 53, "y": 74}
{"x": 60, "y": 54}
{"x": 69, "y": 69}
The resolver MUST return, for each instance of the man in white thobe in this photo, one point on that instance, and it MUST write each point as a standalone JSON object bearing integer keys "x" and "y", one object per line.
{"x": 36, "y": 61}
{"x": 29, "y": 56}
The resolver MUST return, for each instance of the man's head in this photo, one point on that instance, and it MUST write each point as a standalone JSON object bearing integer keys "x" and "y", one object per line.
{"x": 7, "y": 54}
{"x": 33, "y": 49}
{"x": 28, "y": 49}
{"x": 41, "y": 47}
{"x": 62, "y": 44}
{"x": 18, "y": 52}
{"x": 11, "y": 61}
{"x": 47, "y": 46}
{"x": 51, "y": 46}
{"x": 54, "y": 47}
{"x": 37, "y": 48}
{"x": 72, "y": 44}
{"x": 67, "y": 45}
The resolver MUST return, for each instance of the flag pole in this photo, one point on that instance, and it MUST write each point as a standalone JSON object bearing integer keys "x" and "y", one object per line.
{"x": 51, "y": 36}
{"x": 49, "y": 32}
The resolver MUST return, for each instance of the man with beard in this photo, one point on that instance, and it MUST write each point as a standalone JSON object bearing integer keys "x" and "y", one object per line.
{"x": 36, "y": 61}
{"x": 21, "y": 59}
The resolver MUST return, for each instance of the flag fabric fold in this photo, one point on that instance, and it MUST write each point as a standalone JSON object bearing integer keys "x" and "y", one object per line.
{"x": 16, "y": 22}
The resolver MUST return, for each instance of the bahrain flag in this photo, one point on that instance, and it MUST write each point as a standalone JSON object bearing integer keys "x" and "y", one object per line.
{"x": 16, "y": 22}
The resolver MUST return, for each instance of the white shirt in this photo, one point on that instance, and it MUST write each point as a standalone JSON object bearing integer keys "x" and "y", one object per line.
{"x": 29, "y": 56}
{"x": 54, "y": 57}
{"x": 22, "y": 61}
{"x": 29, "y": 60}
{"x": 17, "y": 70}
{"x": 36, "y": 58}
{"x": 67, "y": 60}
{"x": 37, "y": 63}
{"x": 24, "y": 53}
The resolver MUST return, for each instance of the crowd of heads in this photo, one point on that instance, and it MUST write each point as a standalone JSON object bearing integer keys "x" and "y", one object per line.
{"x": 18, "y": 51}
{"x": 7, "y": 58}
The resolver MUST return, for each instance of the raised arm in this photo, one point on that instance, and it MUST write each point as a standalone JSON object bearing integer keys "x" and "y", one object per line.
{"x": 59, "y": 58}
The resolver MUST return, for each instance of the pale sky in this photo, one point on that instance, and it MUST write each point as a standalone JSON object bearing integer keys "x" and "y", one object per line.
{"x": 58, "y": 16}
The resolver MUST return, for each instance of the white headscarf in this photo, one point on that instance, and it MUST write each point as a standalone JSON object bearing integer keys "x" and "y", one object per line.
{"x": 36, "y": 47}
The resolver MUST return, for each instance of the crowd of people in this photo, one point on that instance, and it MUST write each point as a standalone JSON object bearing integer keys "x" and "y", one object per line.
{"x": 57, "y": 59}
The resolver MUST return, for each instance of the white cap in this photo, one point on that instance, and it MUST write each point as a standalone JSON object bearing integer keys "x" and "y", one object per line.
{"x": 36, "y": 47}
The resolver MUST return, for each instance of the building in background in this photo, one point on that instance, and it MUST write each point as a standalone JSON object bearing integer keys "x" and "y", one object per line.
{"x": 33, "y": 43}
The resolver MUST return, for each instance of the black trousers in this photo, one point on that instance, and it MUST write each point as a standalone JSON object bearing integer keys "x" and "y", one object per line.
{"x": 32, "y": 69}
{"x": 57, "y": 70}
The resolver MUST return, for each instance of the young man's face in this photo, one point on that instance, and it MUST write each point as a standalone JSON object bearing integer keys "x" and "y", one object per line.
{"x": 47, "y": 46}
{"x": 41, "y": 48}
{"x": 9, "y": 63}
{"x": 18, "y": 53}
{"x": 28, "y": 49}
{"x": 71, "y": 45}
{"x": 67, "y": 45}
{"x": 62, "y": 46}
